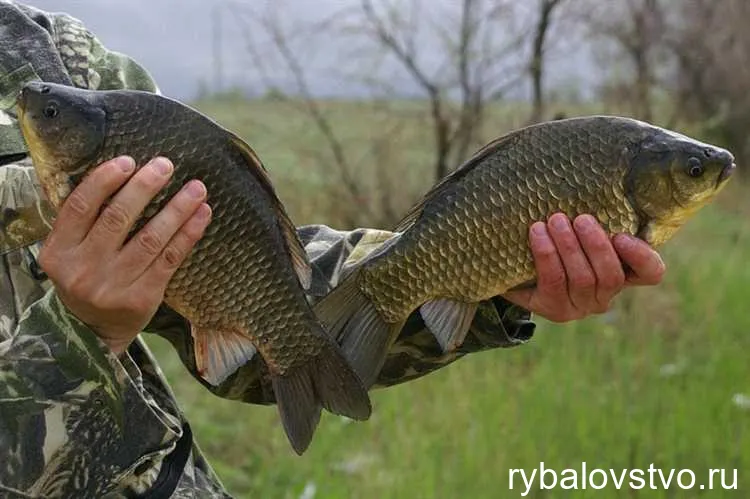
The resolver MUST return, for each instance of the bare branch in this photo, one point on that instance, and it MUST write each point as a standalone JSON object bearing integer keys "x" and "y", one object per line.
{"x": 477, "y": 43}
{"x": 310, "y": 105}
{"x": 405, "y": 54}
{"x": 536, "y": 68}
{"x": 638, "y": 32}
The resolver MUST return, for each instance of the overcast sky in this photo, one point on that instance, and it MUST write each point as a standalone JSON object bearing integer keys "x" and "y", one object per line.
{"x": 172, "y": 39}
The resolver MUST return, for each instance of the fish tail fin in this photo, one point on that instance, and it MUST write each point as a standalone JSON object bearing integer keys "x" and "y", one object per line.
{"x": 297, "y": 406}
{"x": 326, "y": 382}
{"x": 354, "y": 322}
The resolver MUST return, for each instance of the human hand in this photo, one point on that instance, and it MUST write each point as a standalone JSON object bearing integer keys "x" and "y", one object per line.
{"x": 580, "y": 270}
{"x": 112, "y": 286}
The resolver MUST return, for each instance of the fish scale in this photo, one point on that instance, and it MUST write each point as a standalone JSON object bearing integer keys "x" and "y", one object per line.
{"x": 519, "y": 196}
{"x": 242, "y": 286}
{"x": 467, "y": 240}
{"x": 233, "y": 220}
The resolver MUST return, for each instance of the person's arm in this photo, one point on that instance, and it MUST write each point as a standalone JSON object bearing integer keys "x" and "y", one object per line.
{"x": 72, "y": 399}
{"x": 79, "y": 417}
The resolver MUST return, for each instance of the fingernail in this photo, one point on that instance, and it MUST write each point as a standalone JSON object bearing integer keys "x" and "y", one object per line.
{"x": 538, "y": 229}
{"x": 204, "y": 211}
{"x": 162, "y": 165}
{"x": 559, "y": 222}
{"x": 126, "y": 163}
{"x": 626, "y": 241}
{"x": 584, "y": 223}
{"x": 661, "y": 261}
{"x": 196, "y": 189}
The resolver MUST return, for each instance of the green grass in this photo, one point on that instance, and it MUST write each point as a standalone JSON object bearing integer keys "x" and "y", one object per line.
{"x": 651, "y": 382}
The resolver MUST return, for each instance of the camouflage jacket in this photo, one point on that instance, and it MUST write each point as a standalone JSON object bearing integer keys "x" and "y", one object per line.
{"x": 78, "y": 421}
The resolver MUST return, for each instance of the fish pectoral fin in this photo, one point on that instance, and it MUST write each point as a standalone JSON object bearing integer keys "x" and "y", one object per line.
{"x": 448, "y": 320}
{"x": 530, "y": 284}
{"x": 218, "y": 354}
{"x": 295, "y": 248}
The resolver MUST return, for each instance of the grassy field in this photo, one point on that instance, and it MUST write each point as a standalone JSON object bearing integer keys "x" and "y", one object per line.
{"x": 662, "y": 379}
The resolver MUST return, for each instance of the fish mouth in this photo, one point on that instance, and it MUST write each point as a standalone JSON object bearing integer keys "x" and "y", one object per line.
{"x": 726, "y": 173}
{"x": 32, "y": 87}
{"x": 21, "y": 99}
{"x": 21, "y": 104}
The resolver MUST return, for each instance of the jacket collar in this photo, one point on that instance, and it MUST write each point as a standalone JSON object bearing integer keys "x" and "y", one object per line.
{"x": 12, "y": 145}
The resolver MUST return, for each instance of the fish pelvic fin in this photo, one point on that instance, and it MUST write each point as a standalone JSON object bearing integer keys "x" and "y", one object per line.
{"x": 218, "y": 354}
{"x": 448, "y": 320}
{"x": 327, "y": 382}
{"x": 352, "y": 319}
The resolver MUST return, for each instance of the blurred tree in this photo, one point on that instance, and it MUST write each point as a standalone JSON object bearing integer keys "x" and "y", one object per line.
{"x": 478, "y": 58}
{"x": 711, "y": 44}
{"x": 546, "y": 10}
{"x": 636, "y": 29}
{"x": 475, "y": 70}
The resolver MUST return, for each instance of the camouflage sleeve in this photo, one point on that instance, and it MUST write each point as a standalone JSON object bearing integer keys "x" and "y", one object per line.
{"x": 498, "y": 323}
{"x": 75, "y": 420}
{"x": 84, "y": 60}
{"x": 35, "y": 45}
{"x": 63, "y": 424}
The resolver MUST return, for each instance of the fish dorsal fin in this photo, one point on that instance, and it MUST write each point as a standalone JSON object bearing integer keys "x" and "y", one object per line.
{"x": 296, "y": 250}
{"x": 449, "y": 180}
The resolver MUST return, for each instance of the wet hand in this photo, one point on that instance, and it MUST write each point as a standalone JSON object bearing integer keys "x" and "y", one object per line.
{"x": 112, "y": 286}
{"x": 580, "y": 269}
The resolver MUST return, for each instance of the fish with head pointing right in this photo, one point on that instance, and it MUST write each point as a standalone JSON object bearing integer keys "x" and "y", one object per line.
{"x": 467, "y": 240}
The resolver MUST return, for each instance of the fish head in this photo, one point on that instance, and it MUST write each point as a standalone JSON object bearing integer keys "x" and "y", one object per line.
{"x": 671, "y": 177}
{"x": 64, "y": 129}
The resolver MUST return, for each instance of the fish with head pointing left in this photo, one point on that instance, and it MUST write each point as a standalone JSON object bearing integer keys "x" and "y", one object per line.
{"x": 242, "y": 287}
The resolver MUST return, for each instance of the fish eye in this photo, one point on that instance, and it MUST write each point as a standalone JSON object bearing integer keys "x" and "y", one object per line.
{"x": 50, "y": 110}
{"x": 695, "y": 167}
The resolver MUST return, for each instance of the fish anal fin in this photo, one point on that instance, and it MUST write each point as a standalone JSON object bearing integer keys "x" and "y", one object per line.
{"x": 339, "y": 387}
{"x": 218, "y": 354}
{"x": 366, "y": 342}
{"x": 448, "y": 320}
{"x": 296, "y": 250}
